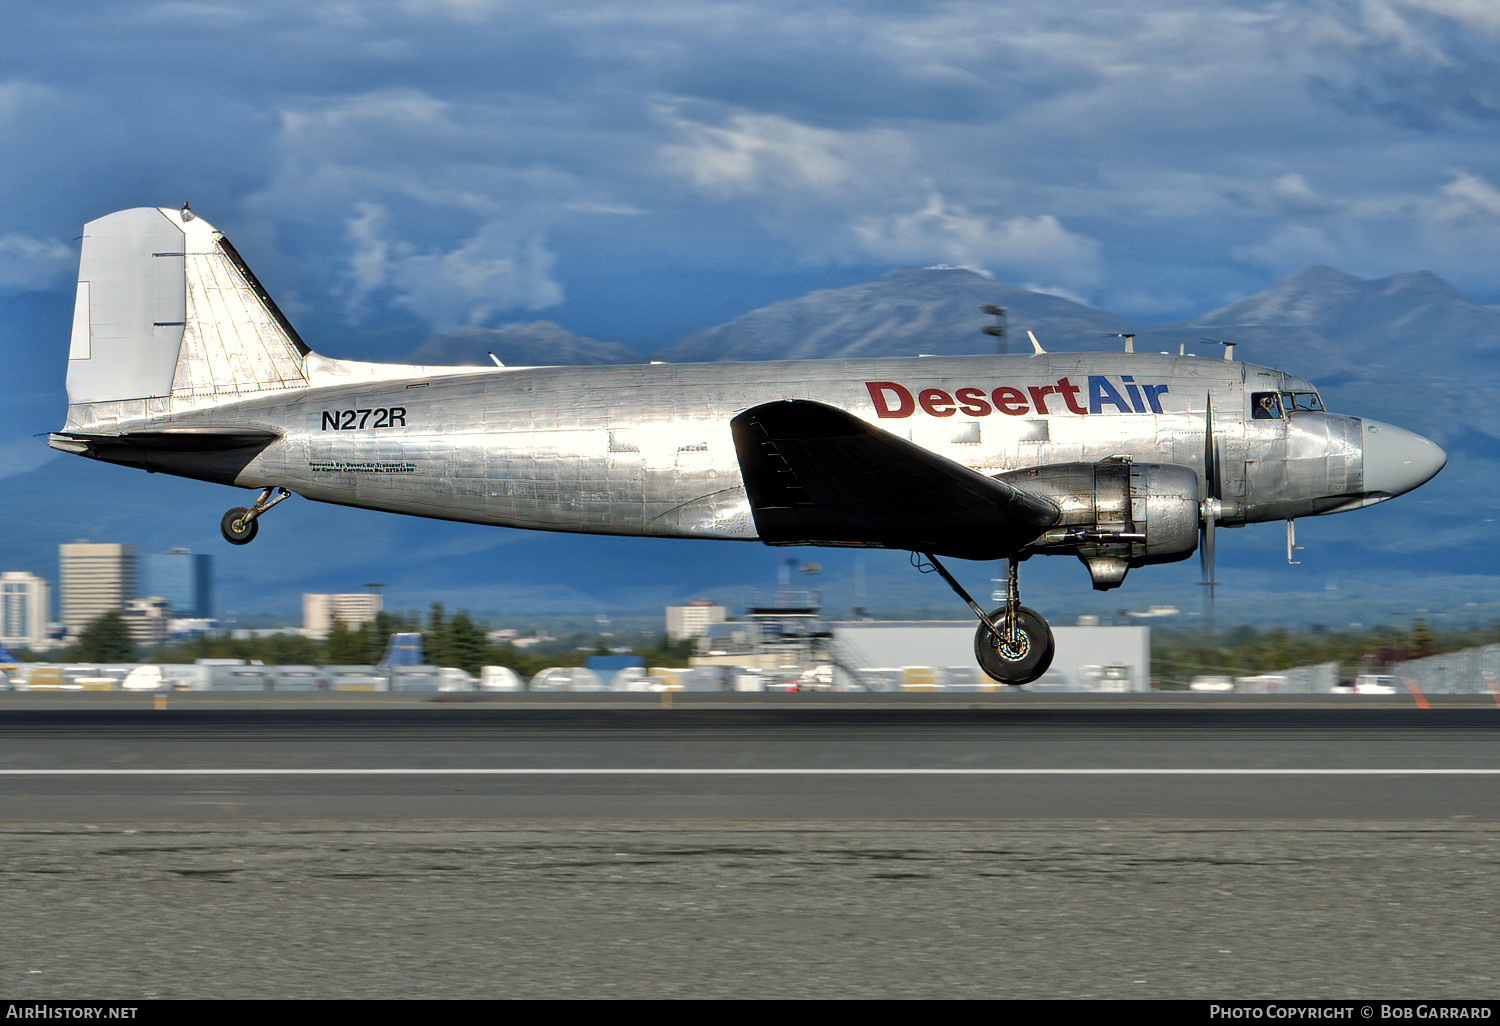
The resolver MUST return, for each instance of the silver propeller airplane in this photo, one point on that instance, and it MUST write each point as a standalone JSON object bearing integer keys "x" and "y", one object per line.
{"x": 180, "y": 363}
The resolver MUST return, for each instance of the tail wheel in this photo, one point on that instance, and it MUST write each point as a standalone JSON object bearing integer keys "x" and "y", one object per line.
{"x": 1021, "y": 658}
{"x": 237, "y": 526}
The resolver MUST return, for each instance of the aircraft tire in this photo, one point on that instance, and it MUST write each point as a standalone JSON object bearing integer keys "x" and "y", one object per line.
{"x": 1031, "y": 657}
{"x": 236, "y": 530}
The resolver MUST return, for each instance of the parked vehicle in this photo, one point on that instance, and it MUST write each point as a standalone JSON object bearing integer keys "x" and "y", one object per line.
{"x": 1369, "y": 684}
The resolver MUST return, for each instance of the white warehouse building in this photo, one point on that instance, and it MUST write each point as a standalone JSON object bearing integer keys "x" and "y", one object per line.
{"x": 1087, "y": 659}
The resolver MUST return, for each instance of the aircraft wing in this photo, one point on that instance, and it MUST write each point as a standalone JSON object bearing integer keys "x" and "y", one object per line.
{"x": 816, "y": 475}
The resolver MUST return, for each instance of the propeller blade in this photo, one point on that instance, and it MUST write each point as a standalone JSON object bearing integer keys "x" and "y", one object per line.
{"x": 1211, "y": 508}
{"x": 1206, "y": 560}
{"x": 1206, "y": 549}
{"x": 1211, "y": 468}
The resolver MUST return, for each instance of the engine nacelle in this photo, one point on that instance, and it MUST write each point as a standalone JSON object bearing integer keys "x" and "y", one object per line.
{"x": 1116, "y": 514}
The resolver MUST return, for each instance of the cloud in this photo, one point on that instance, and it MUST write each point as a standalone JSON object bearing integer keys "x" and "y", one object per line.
{"x": 1471, "y": 15}
{"x": 752, "y": 153}
{"x": 1109, "y": 149}
{"x": 1416, "y": 63}
{"x": 864, "y": 196}
{"x": 1293, "y": 194}
{"x": 1462, "y": 222}
{"x": 498, "y": 269}
{"x": 1291, "y": 248}
{"x": 943, "y": 232}
{"x": 28, "y": 264}
{"x": 1469, "y": 201}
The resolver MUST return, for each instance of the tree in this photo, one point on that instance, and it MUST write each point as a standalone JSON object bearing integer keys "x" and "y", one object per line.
{"x": 106, "y": 640}
{"x": 344, "y": 647}
{"x": 437, "y": 638}
{"x": 468, "y": 644}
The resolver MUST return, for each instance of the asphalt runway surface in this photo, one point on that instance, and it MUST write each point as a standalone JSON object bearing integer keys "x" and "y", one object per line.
{"x": 818, "y": 849}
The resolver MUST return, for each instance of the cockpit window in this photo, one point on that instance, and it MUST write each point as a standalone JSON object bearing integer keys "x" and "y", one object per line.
{"x": 1304, "y": 402}
{"x": 1265, "y": 406}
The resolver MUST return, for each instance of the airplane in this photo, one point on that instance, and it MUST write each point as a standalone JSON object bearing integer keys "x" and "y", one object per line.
{"x": 181, "y": 363}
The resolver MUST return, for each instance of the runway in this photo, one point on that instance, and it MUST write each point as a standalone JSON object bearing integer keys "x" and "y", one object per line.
{"x": 819, "y": 760}
{"x": 245, "y": 847}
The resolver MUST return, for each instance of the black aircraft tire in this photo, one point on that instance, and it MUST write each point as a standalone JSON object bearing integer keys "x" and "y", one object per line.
{"x": 1033, "y": 655}
{"x": 237, "y": 531}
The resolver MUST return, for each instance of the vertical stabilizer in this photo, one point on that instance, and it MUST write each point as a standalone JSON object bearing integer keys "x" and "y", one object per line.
{"x": 130, "y": 312}
{"x": 166, "y": 308}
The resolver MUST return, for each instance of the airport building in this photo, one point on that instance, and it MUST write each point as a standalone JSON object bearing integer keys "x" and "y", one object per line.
{"x": 25, "y": 601}
{"x": 353, "y": 608}
{"x": 693, "y": 619}
{"x": 185, "y": 580}
{"x": 1088, "y": 658}
{"x": 95, "y": 579}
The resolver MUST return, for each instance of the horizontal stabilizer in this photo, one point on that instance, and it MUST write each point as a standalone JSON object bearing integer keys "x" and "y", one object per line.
{"x": 816, "y": 475}
{"x": 210, "y": 454}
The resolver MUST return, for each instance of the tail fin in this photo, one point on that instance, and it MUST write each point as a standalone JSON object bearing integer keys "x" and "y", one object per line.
{"x": 166, "y": 308}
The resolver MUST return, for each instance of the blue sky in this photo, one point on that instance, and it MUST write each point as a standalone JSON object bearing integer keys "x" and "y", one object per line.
{"x": 636, "y": 171}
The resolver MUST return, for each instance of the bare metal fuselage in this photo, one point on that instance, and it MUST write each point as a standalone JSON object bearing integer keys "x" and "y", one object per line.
{"x": 647, "y": 449}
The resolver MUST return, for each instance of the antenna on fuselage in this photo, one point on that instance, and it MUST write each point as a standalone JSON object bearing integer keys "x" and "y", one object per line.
{"x": 497, "y": 360}
{"x": 1035, "y": 345}
{"x": 1228, "y": 346}
{"x": 998, "y": 328}
{"x": 1128, "y": 336}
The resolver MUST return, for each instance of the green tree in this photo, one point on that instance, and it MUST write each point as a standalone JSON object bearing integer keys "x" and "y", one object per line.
{"x": 1423, "y": 643}
{"x": 467, "y": 643}
{"x": 437, "y": 638}
{"x": 345, "y": 647}
{"x": 106, "y": 640}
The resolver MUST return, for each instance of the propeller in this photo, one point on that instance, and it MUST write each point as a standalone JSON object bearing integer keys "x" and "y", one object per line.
{"x": 1211, "y": 506}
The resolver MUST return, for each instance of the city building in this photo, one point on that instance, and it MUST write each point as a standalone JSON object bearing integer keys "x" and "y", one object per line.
{"x": 185, "y": 580}
{"x": 95, "y": 578}
{"x": 148, "y": 619}
{"x": 693, "y": 619}
{"x": 354, "y": 609}
{"x": 25, "y": 601}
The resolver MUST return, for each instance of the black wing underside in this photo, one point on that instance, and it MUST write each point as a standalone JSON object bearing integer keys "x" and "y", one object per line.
{"x": 816, "y": 475}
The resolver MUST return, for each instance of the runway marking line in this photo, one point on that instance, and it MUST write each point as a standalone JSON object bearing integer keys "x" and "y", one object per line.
{"x": 748, "y": 772}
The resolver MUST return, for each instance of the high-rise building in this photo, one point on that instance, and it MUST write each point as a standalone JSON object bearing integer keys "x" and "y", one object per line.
{"x": 96, "y": 578}
{"x": 25, "y": 601}
{"x": 692, "y": 620}
{"x": 354, "y": 608}
{"x": 183, "y": 579}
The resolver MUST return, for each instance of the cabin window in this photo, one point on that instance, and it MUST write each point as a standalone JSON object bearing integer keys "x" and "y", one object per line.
{"x": 1265, "y": 406}
{"x": 1302, "y": 402}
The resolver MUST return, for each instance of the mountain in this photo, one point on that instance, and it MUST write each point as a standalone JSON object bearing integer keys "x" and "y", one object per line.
{"x": 907, "y": 312}
{"x": 1325, "y": 322}
{"x": 539, "y": 344}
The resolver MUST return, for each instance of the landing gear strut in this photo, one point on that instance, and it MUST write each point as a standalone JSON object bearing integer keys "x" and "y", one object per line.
{"x": 239, "y": 525}
{"x": 1013, "y": 644}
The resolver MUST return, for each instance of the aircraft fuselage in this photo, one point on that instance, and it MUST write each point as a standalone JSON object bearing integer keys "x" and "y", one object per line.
{"x": 646, "y": 449}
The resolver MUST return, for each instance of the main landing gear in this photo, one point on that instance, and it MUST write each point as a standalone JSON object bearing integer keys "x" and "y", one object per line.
{"x": 1013, "y": 644}
{"x": 239, "y": 525}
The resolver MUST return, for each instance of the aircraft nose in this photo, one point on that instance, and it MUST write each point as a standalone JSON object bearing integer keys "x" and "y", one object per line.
{"x": 1397, "y": 460}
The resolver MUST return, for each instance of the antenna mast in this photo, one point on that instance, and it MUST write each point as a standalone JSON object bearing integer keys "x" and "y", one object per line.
{"x": 1228, "y": 346}
{"x": 998, "y": 328}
